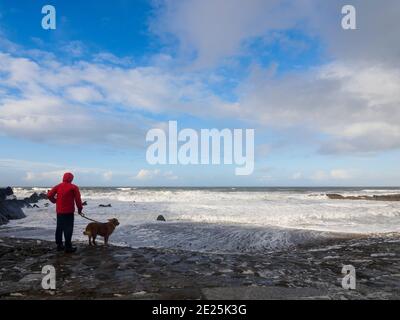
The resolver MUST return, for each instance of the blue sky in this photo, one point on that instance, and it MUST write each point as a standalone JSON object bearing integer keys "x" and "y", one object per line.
{"x": 324, "y": 102}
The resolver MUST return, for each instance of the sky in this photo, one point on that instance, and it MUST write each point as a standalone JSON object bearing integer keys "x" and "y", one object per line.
{"x": 324, "y": 102}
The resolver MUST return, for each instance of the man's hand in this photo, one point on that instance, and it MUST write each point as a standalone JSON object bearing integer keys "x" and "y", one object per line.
{"x": 80, "y": 212}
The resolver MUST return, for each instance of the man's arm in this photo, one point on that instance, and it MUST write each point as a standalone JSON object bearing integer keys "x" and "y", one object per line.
{"x": 78, "y": 199}
{"x": 51, "y": 194}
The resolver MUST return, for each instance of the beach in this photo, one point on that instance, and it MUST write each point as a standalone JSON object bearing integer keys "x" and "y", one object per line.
{"x": 215, "y": 244}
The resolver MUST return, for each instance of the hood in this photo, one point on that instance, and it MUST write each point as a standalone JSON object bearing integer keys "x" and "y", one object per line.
{"x": 68, "y": 177}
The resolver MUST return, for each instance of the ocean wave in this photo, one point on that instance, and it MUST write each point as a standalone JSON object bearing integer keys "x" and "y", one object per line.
{"x": 243, "y": 218}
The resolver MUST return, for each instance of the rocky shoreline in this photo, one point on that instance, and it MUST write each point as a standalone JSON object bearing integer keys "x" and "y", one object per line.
{"x": 311, "y": 271}
{"x": 304, "y": 272}
{"x": 11, "y": 207}
{"x": 384, "y": 197}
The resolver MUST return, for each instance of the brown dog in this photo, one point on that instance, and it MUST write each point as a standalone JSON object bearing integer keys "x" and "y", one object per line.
{"x": 94, "y": 229}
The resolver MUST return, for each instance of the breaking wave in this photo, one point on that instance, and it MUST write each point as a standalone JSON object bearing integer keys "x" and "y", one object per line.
{"x": 222, "y": 219}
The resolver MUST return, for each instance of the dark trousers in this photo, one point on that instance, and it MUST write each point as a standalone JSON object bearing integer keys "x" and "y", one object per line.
{"x": 65, "y": 225}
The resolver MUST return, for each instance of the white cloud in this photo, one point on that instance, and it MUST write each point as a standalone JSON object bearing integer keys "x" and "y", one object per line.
{"x": 50, "y": 176}
{"x": 354, "y": 106}
{"x": 376, "y": 39}
{"x": 145, "y": 174}
{"x": 84, "y": 94}
{"x": 107, "y": 57}
{"x": 79, "y": 103}
{"x": 44, "y": 173}
{"x": 351, "y": 103}
{"x": 74, "y": 48}
{"x": 216, "y": 29}
{"x": 108, "y": 175}
{"x": 334, "y": 174}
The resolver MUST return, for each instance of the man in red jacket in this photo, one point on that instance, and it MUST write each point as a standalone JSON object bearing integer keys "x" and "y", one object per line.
{"x": 65, "y": 195}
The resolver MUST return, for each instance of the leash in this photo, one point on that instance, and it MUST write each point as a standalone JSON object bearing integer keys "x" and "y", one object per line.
{"x": 83, "y": 216}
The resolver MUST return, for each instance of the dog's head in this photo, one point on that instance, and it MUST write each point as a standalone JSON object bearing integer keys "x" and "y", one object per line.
{"x": 114, "y": 221}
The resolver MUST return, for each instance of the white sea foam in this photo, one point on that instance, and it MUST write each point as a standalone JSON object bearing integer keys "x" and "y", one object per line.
{"x": 223, "y": 219}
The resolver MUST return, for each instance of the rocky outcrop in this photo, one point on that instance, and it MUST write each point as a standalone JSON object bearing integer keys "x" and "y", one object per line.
{"x": 35, "y": 197}
{"x": 387, "y": 197}
{"x": 10, "y": 208}
{"x": 309, "y": 272}
{"x": 5, "y": 192}
{"x": 335, "y": 196}
{"x": 160, "y": 218}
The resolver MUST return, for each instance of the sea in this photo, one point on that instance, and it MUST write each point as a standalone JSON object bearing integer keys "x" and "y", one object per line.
{"x": 221, "y": 220}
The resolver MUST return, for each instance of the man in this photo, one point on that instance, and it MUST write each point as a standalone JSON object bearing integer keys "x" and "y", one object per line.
{"x": 65, "y": 195}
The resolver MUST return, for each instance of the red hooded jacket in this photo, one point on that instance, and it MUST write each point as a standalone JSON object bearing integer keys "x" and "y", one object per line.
{"x": 67, "y": 195}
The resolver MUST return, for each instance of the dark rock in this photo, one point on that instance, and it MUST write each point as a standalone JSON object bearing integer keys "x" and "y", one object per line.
{"x": 35, "y": 206}
{"x": 301, "y": 272}
{"x": 5, "y": 192}
{"x": 34, "y": 198}
{"x": 3, "y": 219}
{"x": 10, "y": 209}
{"x": 335, "y": 196}
{"x": 387, "y": 197}
{"x": 160, "y": 218}
{"x": 105, "y": 205}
